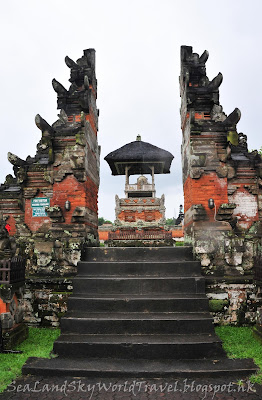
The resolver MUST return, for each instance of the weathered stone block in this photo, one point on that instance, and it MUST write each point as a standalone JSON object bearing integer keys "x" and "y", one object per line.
{"x": 205, "y": 260}
{"x": 19, "y": 315}
{"x": 234, "y": 258}
{"x": 204, "y": 247}
{"x": 7, "y": 320}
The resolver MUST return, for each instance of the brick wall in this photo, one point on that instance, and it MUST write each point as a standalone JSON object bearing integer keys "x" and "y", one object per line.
{"x": 199, "y": 191}
{"x": 134, "y": 216}
{"x": 246, "y": 206}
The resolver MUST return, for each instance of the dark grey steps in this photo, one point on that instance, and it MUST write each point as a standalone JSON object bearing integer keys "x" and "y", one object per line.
{"x": 139, "y": 368}
{"x": 139, "y": 312}
{"x": 139, "y": 346}
{"x": 138, "y": 303}
{"x": 149, "y": 268}
{"x": 138, "y": 285}
{"x": 110, "y": 254}
{"x": 137, "y": 323}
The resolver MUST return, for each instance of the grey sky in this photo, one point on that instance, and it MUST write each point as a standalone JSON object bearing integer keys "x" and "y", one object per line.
{"x": 137, "y": 48}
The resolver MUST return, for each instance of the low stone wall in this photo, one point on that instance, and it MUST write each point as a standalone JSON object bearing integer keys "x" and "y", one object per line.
{"x": 46, "y": 300}
{"x": 140, "y": 243}
{"x": 14, "y": 336}
{"x": 228, "y": 262}
{"x": 233, "y": 301}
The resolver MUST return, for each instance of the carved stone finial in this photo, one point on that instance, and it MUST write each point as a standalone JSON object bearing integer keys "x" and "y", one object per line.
{"x": 43, "y": 125}
{"x": 233, "y": 118}
{"x": 63, "y": 116}
{"x": 9, "y": 180}
{"x": 70, "y": 63}
{"x": 216, "y": 82}
{"x": 13, "y": 159}
{"x": 217, "y": 113}
{"x": 58, "y": 88}
{"x": 203, "y": 59}
{"x": 242, "y": 140}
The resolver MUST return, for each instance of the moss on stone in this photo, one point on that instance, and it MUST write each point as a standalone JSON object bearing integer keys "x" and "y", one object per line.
{"x": 232, "y": 137}
{"x": 202, "y": 160}
{"x": 254, "y": 228}
{"x": 50, "y": 155}
{"x": 80, "y": 139}
{"x": 228, "y": 205}
{"x": 217, "y": 305}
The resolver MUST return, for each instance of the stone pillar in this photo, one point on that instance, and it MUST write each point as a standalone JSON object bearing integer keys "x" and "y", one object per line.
{"x": 153, "y": 180}
{"x": 51, "y": 202}
{"x": 217, "y": 165}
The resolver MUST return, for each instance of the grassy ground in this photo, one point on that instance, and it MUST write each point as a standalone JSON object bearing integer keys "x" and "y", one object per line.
{"x": 239, "y": 342}
{"x": 39, "y": 344}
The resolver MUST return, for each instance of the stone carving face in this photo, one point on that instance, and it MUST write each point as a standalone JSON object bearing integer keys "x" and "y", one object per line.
{"x": 142, "y": 180}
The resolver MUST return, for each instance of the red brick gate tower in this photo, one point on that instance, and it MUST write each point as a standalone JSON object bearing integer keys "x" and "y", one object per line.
{"x": 51, "y": 202}
{"x": 56, "y": 191}
{"x": 222, "y": 183}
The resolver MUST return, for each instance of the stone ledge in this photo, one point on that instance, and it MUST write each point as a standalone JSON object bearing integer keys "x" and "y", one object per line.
{"x": 14, "y": 336}
{"x": 229, "y": 279}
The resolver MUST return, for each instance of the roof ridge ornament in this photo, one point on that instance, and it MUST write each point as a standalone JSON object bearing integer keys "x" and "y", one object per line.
{"x": 138, "y": 138}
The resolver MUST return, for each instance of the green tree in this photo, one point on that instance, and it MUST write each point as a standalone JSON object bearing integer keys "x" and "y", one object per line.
{"x": 170, "y": 221}
{"x": 102, "y": 221}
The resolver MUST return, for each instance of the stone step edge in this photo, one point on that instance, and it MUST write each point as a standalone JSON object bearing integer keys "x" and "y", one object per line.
{"x": 139, "y": 297}
{"x": 138, "y": 316}
{"x": 137, "y": 278}
{"x": 139, "y": 339}
{"x": 141, "y": 368}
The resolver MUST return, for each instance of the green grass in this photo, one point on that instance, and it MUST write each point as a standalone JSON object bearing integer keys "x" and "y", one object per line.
{"x": 239, "y": 342}
{"x": 38, "y": 344}
{"x": 178, "y": 243}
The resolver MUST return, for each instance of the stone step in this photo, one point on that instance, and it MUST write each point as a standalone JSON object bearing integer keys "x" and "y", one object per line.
{"x": 137, "y": 323}
{"x": 139, "y": 312}
{"x": 137, "y": 253}
{"x": 138, "y": 285}
{"x": 138, "y": 303}
{"x": 139, "y": 368}
{"x": 139, "y": 346}
{"x": 149, "y": 268}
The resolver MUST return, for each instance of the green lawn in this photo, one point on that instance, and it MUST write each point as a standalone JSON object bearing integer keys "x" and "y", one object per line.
{"x": 39, "y": 344}
{"x": 239, "y": 342}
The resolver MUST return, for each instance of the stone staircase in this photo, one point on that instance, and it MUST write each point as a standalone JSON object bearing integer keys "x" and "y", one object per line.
{"x": 138, "y": 312}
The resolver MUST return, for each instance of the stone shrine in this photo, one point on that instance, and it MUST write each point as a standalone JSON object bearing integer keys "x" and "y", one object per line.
{"x": 140, "y": 215}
